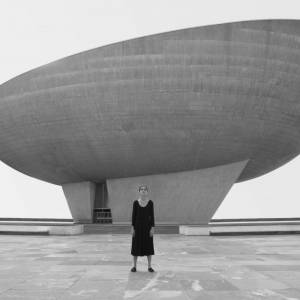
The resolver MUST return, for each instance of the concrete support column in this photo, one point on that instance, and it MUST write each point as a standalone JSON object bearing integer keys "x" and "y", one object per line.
{"x": 190, "y": 197}
{"x": 80, "y": 197}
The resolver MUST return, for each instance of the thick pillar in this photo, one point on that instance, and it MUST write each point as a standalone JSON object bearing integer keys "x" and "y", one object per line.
{"x": 80, "y": 197}
{"x": 190, "y": 197}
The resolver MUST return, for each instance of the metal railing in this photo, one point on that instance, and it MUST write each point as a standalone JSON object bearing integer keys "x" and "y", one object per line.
{"x": 102, "y": 215}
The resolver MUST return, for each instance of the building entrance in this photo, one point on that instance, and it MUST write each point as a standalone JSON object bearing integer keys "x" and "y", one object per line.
{"x": 101, "y": 213}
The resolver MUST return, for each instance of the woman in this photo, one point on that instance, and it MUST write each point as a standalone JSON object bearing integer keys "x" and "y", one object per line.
{"x": 142, "y": 228}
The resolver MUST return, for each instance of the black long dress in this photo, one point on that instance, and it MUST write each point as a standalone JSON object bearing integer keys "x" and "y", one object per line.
{"x": 142, "y": 221}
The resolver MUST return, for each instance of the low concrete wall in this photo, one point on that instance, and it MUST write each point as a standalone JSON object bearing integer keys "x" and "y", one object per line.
{"x": 194, "y": 230}
{"x": 43, "y": 229}
{"x": 66, "y": 230}
{"x": 255, "y": 228}
{"x": 238, "y": 229}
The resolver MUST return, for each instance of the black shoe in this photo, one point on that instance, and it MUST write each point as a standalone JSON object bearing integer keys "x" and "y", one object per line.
{"x": 150, "y": 269}
{"x": 133, "y": 269}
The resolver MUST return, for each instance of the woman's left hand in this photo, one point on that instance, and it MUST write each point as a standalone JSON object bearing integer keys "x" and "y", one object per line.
{"x": 151, "y": 231}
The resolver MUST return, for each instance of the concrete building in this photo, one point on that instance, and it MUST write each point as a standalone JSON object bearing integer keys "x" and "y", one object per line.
{"x": 188, "y": 112}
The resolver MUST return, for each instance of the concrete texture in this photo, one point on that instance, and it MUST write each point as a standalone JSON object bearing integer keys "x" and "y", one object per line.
{"x": 187, "y": 268}
{"x": 190, "y": 197}
{"x": 177, "y": 101}
{"x": 80, "y": 197}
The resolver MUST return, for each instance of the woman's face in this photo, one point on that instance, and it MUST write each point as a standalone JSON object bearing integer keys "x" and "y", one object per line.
{"x": 143, "y": 190}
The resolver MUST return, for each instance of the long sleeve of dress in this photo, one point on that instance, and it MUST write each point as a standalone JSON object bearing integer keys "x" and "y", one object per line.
{"x": 133, "y": 217}
{"x": 152, "y": 222}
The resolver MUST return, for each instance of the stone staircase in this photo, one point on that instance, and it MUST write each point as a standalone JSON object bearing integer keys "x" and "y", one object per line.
{"x": 125, "y": 229}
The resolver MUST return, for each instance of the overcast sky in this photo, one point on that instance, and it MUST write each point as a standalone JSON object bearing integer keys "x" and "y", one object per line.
{"x": 35, "y": 32}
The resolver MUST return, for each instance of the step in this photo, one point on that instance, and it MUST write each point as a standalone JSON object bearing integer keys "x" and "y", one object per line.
{"x": 126, "y": 228}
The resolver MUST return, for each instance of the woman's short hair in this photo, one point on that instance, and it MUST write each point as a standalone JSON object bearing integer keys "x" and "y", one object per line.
{"x": 144, "y": 186}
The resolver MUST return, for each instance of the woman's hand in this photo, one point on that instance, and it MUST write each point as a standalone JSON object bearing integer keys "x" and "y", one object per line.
{"x": 132, "y": 231}
{"x": 151, "y": 231}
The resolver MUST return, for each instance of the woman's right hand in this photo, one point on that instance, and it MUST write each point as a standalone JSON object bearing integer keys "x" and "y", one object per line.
{"x": 132, "y": 231}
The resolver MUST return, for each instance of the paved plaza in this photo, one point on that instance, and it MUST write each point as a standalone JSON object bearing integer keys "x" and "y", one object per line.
{"x": 187, "y": 267}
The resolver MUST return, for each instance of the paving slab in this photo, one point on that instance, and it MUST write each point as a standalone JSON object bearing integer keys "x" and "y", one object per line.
{"x": 187, "y": 267}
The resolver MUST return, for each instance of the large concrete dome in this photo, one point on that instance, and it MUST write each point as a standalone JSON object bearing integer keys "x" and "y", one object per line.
{"x": 182, "y": 100}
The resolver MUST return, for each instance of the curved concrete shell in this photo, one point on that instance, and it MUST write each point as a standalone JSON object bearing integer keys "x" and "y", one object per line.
{"x": 178, "y": 101}
{"x": 182, "y": 100}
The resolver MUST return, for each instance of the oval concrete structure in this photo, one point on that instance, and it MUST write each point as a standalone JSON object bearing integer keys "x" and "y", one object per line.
{"x": 182, "y": 100}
